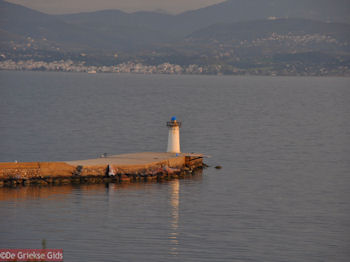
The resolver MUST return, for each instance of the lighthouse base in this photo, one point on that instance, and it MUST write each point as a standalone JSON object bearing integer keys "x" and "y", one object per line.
{"x": 174, "y": 140}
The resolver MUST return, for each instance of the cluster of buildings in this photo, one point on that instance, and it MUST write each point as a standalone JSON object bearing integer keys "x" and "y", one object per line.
{"x": 70, "y": 66}
{"x": 296, "y": 69}
{"x": 286, "y": 43}
{"x": 296, "y": 39}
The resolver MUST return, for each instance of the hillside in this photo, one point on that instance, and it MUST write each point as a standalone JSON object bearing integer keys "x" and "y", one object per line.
{"x": 117, "y": 30}
{"x": 227, "y": 12}
{"x": 40, "y": 30}
{"x": 244, "y": 34}
{"x": 277, "y": 44}
{"x": 276, "y": 36}
{"x": 18, "y": 22}
{"x": 247, "y": 10}
{"x": 108, "y": 20}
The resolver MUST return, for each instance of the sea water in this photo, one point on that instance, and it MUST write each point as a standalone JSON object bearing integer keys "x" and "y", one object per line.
{"x": 282, "y": 193}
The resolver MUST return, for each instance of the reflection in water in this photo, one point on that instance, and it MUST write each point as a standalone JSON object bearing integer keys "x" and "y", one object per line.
{"x": 41, "y": 192}
{"x": 34, "y": 192}
{"x": 174, "y": 223}
{"x": 21, "y": 193}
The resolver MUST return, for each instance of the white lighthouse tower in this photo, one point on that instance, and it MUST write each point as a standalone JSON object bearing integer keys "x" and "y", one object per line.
{"x": 174, "y": 135}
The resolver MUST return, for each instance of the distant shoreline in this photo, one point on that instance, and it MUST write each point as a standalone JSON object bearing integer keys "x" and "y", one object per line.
{"x": 164, "y": 68}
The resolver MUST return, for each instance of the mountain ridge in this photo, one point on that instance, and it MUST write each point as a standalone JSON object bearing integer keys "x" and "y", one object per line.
{"x": 113, "y": 36}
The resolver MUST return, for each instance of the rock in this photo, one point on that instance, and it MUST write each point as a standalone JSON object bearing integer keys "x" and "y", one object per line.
{"x": 218, "y": 167}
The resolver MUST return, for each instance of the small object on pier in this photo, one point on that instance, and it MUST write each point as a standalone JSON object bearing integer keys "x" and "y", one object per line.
{"x": 111, "y": 171}
{"x": 78, "y": 170}
{"x": 218, "y": 167}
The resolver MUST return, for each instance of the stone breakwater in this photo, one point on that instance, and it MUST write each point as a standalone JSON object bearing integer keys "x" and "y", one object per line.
{"x": 117, "y": 168}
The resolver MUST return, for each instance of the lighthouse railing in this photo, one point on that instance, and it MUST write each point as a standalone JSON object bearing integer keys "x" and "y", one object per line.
{"x": 173, "y": 124}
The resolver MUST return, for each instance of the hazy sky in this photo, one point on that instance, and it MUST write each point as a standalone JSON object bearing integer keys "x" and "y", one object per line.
{"x": 74, "y": 6}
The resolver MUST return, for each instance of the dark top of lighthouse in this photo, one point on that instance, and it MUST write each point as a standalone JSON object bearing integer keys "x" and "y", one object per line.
{"x": 173, "y": 122}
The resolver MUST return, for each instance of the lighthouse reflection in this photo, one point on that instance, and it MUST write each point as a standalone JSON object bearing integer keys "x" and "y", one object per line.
{"x": 174, "y": 222}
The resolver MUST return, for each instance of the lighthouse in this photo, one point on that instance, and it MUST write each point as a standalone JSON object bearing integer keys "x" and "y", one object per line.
{"x": 174, "y": 135}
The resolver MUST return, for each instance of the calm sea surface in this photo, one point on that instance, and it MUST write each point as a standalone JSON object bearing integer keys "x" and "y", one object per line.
{"x": 283, "y": 193}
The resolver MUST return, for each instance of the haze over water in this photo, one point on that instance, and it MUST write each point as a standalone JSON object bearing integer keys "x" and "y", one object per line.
{"x": 283, "y": 143}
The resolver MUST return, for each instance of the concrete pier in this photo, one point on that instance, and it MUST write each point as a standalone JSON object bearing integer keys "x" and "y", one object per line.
{"x": 145, "y": 166}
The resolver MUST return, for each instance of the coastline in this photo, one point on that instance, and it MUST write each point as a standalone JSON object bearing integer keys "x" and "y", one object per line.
{"x": 167, "y": 68}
